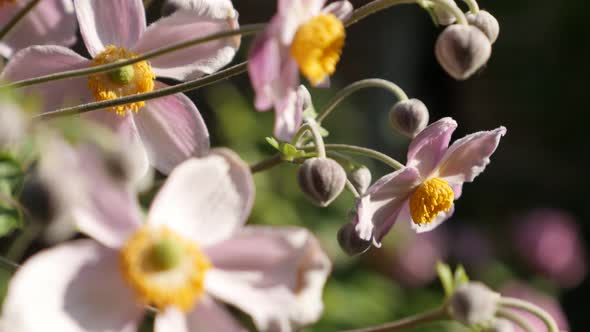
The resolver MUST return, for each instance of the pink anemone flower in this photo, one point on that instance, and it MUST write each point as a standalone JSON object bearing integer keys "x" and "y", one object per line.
{"x": 170, "y": 129}
{"x": 191, "y": 252}
{"x": 424, "y": 191}
{"x": 49, "y": 22}
{"x": 302, "y": 35}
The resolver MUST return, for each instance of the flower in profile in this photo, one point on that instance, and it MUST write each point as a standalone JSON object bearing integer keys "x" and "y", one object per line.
{"x": 190, "y": 253}
{"x": 49, "y": 22}
{"x": 548, "y": 240}
{"x": 303, "y": 35}
{"x": 522, "y": 291}
{"x": 169, "y": 128}
{"x": 423, "y": 192}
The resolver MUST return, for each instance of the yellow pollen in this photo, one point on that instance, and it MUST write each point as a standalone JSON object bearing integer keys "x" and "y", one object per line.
{"x": 138, "y": 78}
{"x": 317, "y": 47}
{"x": 179, "y": 284}
{"x": 432, "y": 197}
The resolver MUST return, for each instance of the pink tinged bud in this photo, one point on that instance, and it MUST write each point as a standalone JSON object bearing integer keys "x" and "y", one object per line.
{"x": 350, "y": 242}
{"x": 499, "y": 325}
{"x": 485, "y": 22}
{"x": 360, "y": 178}
{"x": 409, "y": 117}
{"x": 473, "y": 304}
{"x": 321, "y": 180}
{"x": 462, "y": 50}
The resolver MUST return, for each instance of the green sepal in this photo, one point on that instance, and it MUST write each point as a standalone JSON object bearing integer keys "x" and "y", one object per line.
{"x": 446, "y": 278}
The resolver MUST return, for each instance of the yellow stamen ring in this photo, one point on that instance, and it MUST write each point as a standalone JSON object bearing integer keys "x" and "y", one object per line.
{"x": 163, "y": 268}
{"x": 317, "y": 47}
{"x": 431, "y": 198}
{"x": 128, "y": 80}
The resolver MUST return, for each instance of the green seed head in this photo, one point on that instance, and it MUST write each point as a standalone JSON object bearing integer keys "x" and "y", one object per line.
{"x": 122, "y": 75}
{"x": 166, "y": 254}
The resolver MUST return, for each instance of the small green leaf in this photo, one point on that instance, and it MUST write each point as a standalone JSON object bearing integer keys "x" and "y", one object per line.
{"x": 460, "y": 276}
{"x": 9, "y": 221}
{"x": 289, "y": 151}
{"x": 446, "y": 278}
{"x": 273, "y": 142}
{"x": 324, "y": 132}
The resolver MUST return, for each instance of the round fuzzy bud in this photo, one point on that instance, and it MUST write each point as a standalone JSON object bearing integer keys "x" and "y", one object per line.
{"x": 485, "y": 22}
{"x": 321, "y": 180}
{"x": 442, "y": 15}
{"x": 409, "y": 117}
{"x": 350, "y": 242}
{"x": 360, "y": 178}
{"x": 462, "y": 50}
{"x": 499, "y": 325}
{"x": 474, "y": 303}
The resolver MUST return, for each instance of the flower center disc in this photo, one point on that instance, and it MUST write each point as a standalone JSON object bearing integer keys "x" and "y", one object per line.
{"x": 317, "y": 47}
{"x": 124, "y": 81}
{"x": 431, "y": 198}
{"x": 163, "y": 268}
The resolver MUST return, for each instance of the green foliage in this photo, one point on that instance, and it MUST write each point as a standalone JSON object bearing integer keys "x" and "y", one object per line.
{"x": 11, "y": 178}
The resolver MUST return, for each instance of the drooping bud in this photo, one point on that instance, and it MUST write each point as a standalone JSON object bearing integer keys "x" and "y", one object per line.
{"x": 350, "y": 242}
{"x": 409, "y": 117}
{"x": 442, "y": 15}
{"x": 321, "y": 180}
{"x": 499, "y": 325}
{"x": 122, "y": 75}
{"x": 485, "y": 22}
{"x": 474, "y": 303}
{"x": 360, "y": 178}
{"x": 462, "y": 50}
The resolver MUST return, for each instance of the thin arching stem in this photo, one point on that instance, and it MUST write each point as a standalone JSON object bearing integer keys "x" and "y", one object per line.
{"x": 359, "y": 150}
{"x": 409, "y": 322}
{"x": 531, "y": 308}
{"x": 19, "y": 16}
{"x": 523, "y": 324}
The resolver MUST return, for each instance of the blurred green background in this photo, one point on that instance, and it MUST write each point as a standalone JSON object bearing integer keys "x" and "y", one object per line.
{"x": 533, "y": 84}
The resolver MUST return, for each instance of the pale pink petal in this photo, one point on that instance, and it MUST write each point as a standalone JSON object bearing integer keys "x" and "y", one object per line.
{"x": 428, "y": 147}
{"x": 111, "y": 213}
{"x": 36, "y": 61}
{"x": 377, "y": 210}
{"x": 206, "y": 316}
{"x": 205, "y": 199}
{"x": 172, "y": 130}
{"x": 288, "y": 119}
{"x": 188, "y": 24}
{"x": 439, "y": 219}
{"x": 264, "y": 66}
{"x": 341, "y": 9}
{"x": 74, "y": 287}
{"x": 276, "y": 275}
{"x": 110, "y": 22}
{"x": 467, "y": 157}
{"x": 51, "y": 22}
{"x": 293, "y": 13}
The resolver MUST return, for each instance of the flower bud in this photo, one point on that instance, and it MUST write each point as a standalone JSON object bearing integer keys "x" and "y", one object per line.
{"x": 442, "y": 15}
{"x": 360, "y": 178}
{"x": 409, "y": 117}
{"x": 499, "y": 325}
{"x": 462, "y": 49}
{"x": 485, "y": 22}
{"x": 321, "y": 180}
{"x": 474, "y": 303}
{"x": 350, "y": 242}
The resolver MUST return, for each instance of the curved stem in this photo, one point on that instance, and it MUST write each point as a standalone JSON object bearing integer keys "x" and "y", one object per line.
{"x": 524, "y": 325}
{"x": 359, "y": 85}
{"x": 531, "y": 308}
{"x": 266, "y": 164}
{"x": 473, "y": 6}
{"x": 408, "y": 322}
{"x": 363, "y": 151}
{"x": 313, "y": 126}
{"x": 379, "y": 5}
{"x": 244, "y": 30}
{"x": 352, "y": 189}
{"x": 14, "y": 21}
{"x": 182, "y": 87}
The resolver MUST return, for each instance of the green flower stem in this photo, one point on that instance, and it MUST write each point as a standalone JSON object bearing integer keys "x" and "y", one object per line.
{"x": 363, "y": 151}
{"x": 473, "y": 6}
{"x": 313, "y": 127}
{"x": 531, "y": 308}
{"x": 524, "y": 325}
{"x": 352, "y": 189}
{"x": 379, "y": 5}
{"x": 244, "y": 31}
{"x": 359, "y": 85}
{"x": 408, "y": 322}
{"x": 266, "y": 164}
{"x": 14, "y": 21}
{"x": 178, "y": 88}
{"x": 8, "y": 263}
